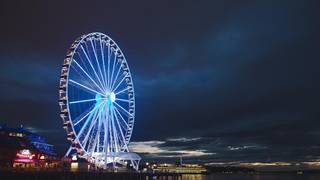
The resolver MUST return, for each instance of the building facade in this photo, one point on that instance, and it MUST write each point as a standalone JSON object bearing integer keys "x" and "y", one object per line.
{"x": 20, "y": 148}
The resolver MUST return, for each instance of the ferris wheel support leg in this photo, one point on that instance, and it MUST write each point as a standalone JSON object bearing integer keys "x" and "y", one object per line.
{"x": 135, "y": 164}
{"x": 68, "y": 152}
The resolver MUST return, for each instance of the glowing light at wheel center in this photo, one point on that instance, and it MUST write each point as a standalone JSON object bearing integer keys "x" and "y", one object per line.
{"x": 110, "y": 98}
{"x": 98, "y": 98}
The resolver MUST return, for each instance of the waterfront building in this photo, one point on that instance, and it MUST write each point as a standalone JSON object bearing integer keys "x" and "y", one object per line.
{"x": 20, "y": 148}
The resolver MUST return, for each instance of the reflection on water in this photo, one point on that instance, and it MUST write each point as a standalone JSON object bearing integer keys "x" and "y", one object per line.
{"x": 252, "y": 177}
{"x": 241, "y": 177}
{"x": 194, "y": 176}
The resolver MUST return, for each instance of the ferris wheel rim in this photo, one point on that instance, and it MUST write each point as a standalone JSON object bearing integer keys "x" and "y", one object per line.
{"x": 73, "y": 49}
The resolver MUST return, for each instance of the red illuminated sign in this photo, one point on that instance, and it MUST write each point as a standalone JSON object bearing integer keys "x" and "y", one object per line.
{"x": 24, "y": 155}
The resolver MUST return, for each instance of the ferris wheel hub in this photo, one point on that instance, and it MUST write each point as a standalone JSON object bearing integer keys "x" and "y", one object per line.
{"x": 112, "y": 97}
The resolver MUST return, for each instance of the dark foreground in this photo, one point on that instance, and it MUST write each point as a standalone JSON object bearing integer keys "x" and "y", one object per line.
{"x": 143, "y": 176}
{"x": 27, "y": 175}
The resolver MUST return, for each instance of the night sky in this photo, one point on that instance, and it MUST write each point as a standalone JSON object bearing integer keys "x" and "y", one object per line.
{"x": 215, "y": 81}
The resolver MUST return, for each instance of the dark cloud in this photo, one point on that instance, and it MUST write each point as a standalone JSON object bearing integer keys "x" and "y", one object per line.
{"x": 243, "y": 76}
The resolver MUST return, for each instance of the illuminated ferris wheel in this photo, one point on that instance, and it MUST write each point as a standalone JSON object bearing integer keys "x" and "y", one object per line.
{"x": 97, "y": 101}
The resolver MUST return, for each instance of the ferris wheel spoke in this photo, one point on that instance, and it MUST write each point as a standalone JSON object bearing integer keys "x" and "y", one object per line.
{"x": 105, "y": 146}
{"x": 93, "y": 121}
{"x": 115, "y": 131}
{"x": 89, "y": 60}
{"x": 128, "y": 114}
{"x": 86, "y": 114}
{"x": 121, "y": 91}
{"x": 96, "y": 57}
{"x": 96, "y": 138}
{"x": 121, "y": 133}
{"x": 82, "y": 59}
{"x": 123, "y": 120}
{"x": 123, "y": 100}
{"x": 103, "y": 61}
{"x": 89, "y": 118}
{"x": 113, "y": 67}
{"x": 81, "y": 101}
{"x": 100, "y": 124}
{"x": 119, "y": 83}
{"x": 109, "y": 54}
{"x": 110, "y": 132}
{"x": 85, "y": 87}
{"x": 113, "y": 142}
{"x": 115, "y": 79}
{"x": 87, "y": 75}
{"x": 107, "y": 122}
{"x": 89, "y": 141}
{"x": 84, "y": 77}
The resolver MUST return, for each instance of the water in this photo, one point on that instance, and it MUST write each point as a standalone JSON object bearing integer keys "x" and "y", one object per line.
{"x": 251, "y": 177}
{"x": 243, "y": 177}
